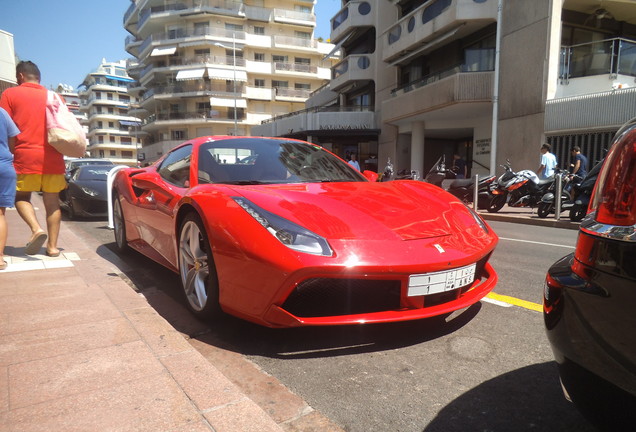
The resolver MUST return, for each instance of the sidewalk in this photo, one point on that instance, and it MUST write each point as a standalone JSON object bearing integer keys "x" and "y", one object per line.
{"x": 528, "y": 216}
{"x": 82, "y": 351}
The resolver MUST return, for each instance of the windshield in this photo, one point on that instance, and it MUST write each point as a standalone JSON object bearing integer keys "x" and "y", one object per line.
{"x": 93, "y": 173}
{"x": 261, "y": 160}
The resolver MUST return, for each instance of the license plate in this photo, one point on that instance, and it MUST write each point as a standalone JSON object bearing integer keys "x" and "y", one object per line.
{"x": 437, "y": 282}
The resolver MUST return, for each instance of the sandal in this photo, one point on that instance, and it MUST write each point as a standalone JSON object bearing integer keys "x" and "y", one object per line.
{"x": 35, "y": 244}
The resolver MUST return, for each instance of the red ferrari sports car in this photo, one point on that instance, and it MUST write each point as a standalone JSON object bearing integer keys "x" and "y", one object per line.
{"x": 284, "y": 233}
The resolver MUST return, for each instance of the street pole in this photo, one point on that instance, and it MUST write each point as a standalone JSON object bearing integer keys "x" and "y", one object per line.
{"x": 234, "y": 85}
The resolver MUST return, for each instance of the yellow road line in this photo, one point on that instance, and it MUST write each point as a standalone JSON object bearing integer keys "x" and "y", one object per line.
{"x": 516, "y": 302}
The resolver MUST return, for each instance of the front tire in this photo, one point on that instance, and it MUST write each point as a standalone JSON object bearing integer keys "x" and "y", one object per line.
{"x": 119, "y": 225}
{"x": 196, "y": 267}
{"x": 544, "y": 209}
{"x": 496, "y": 203}
{"x": 577, "y": 213}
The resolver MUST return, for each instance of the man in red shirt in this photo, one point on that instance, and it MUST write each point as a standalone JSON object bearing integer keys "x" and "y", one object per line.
{"x": 38, "y": 165}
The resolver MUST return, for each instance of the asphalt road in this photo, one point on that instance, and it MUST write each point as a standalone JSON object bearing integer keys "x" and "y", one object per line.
{"x": 488, "y": 368}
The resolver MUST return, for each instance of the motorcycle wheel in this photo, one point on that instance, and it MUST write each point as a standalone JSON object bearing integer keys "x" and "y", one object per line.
{"x": 544, "y": 209}
{"x": 496, "y": 203}
{"x": 576, "y": 213}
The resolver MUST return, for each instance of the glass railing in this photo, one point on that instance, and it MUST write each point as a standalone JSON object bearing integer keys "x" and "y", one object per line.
{"x": 606, "y": 57}
{"x": 319, "y": 110}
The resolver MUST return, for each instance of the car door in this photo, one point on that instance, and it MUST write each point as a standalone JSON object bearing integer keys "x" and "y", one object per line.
{"x": 161, "y": 190}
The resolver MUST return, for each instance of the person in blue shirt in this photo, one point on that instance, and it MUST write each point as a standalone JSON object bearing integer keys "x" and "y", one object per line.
{"x": 579, "y": 167}
{"x": 548, "y": 162}
{"x": 8, "y": 131}
{"x": 353, "y": 162}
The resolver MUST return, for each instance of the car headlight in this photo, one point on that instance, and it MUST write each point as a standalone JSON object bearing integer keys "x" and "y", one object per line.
{"x": 288, "y": 233}
{"x": 89, "y": 191}
{"x": 477, "y": 218}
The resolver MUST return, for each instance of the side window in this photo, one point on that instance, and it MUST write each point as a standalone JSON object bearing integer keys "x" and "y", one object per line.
{"x": 175, "y": 168}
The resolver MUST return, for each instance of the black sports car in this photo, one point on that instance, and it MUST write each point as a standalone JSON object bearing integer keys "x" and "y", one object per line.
{"x": 590, "y": 297}
{"x": 86, "y": 194}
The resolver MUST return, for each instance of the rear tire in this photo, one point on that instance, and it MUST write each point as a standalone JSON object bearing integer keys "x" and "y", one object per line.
{"x": 496, "y": 203}
{"x": 544, "y": 209}
{"x": 196, "y": 267}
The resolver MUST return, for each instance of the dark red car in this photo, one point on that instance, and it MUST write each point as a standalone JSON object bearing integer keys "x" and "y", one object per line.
{"x": 590, "y": 297}
{"x": 284, "y": 233}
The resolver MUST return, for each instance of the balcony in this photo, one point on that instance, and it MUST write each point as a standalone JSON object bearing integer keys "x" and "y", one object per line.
{"x": 356, "y": 67}
{"x": 360, "y": 120}
{"x": 192, "y": 37}
{"x": 609, "y": 109}
{"x": 597, "y": 67}
{"x": 291, "y": 95}
{"x": 295, "y": 68}
{"x": 191, "y": 7}
{"x": 357, "y": 13}
{"x": 189, "y": 118}
{"x": 434, "y": 24}
{"x": 193, "y": 89}
{"x": 289, "y": 42}
{"x": 294, "y": 17}
{"x": 437, "y": 91}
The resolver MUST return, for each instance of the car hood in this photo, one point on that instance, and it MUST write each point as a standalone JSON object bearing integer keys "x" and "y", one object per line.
{"x": 405, "y": 210}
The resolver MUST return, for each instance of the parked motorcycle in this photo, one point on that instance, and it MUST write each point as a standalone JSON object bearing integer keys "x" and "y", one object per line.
{"x": 463, "y": 189}
{"x": 582, "y": 193}
{"x": 547, "y": 204}
{"x": 518, "y": 189}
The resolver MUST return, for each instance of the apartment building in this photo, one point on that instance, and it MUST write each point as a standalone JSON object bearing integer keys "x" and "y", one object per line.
{"x": 220, "y": 67}
{"x": 7, "y": 61}
{"x": 105, "y": 103}
{"x": 490, "y": 80}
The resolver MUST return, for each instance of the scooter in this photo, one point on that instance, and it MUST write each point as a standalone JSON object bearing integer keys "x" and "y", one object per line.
{"x": 463, "y": 189}
{"x": 518, "y": 189}
{"x": 547, "y": 204}
{"x": 582, "y": 193}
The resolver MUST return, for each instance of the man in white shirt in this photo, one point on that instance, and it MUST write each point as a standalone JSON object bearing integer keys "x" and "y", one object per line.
{"x": 548, "y": 162}
{"x": 353, "y": 162}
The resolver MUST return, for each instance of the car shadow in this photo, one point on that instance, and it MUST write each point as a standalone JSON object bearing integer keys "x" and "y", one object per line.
{"x": 162, "y": 289}
{"x": 526, "y": 399}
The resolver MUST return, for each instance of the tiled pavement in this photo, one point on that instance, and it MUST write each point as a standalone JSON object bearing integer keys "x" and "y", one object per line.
{"x": 81, "y": 351}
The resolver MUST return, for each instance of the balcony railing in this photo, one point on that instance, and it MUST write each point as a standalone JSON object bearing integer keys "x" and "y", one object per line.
{"x": 293, "y": 93}
{"x": 192, "y": 6}
{"x": 295, "y": 41}
{"x": 294, "y": 15}
{"x": 209, "y": 87}
{"x": 296, "y": 67}
{"x": 197, "y": 33}
{"x": 434, "y": 77}
{"x": 212, "y": 114}
{"x": 607, "y": 57}
{"x": 319, "y": 110}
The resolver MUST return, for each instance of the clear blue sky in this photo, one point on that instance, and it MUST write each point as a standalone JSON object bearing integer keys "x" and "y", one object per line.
{"x": 67, "y": 39}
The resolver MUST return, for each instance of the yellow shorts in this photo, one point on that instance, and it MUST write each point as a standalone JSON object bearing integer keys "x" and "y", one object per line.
{"x": 41, "y": 183}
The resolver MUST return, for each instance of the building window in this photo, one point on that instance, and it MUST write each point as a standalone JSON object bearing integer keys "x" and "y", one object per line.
{"x": 280, "y": 84}
{"x": 101, "y": 153}
{"x": 234, "y": 27}
{"x": 201, "y": 28}
{"x": 279, "y": 59}
{"x": 126, "y": 140}
{"x": 302, "y": 60}
{"x": 111, "y": 125}
{"x": 302, "y": 35}
{"x": 259, "y": 57}
{"x": 302, "y": 86}
{"x": 112, "y": 153}
{"x": 260, "y": 83}
{"x": 259, "y": 30}
{"x": 127, "y": 154}
{"x": 178, "y": 134}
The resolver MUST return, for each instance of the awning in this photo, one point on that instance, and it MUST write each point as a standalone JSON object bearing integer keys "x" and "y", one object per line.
{"x": 163, "y": 51}
{"x": 129, "y": 123}
{"x": 118, "y": 78}
{"x": 227, "y": 74}
{"x": 222, "y": 102}
{"x": 190, "y": 74}
{"x": 337, "y": 47}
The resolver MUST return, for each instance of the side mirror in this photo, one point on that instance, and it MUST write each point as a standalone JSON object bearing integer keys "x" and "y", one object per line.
{"x": 370, "y": 175}
{"x": 145, "y": 180}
